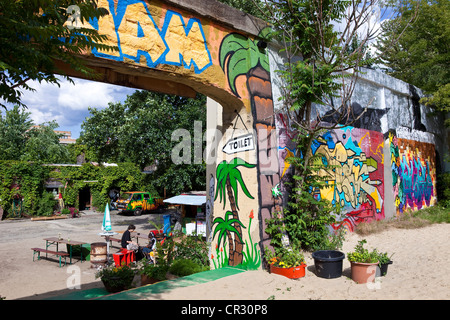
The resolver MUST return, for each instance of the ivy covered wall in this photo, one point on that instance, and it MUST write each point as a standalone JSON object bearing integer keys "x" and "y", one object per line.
{"x": 26, "y": 181}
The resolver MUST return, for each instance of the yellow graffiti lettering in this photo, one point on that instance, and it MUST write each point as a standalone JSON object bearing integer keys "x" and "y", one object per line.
{"x": 350, "y": 181}
{"x": 106, "y": 27}
{"x": 138, "y": 33}
{"x": 133, "y": 29}
{"x": 186, "y": 42}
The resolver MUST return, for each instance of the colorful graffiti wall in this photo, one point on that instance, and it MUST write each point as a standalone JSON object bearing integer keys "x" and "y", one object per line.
{"x": 357, "y": 174}
{"x": 240, "y": 57}
{"x": 413, "y": 174}
{"x": 174, "y": 47}
{"x": 200, "y": 52}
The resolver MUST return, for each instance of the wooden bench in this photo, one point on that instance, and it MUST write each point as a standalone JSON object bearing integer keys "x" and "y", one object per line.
{"x": 137, "y": 236}
{"x": 111, "y": 239}
{"x": 60, "y": 254}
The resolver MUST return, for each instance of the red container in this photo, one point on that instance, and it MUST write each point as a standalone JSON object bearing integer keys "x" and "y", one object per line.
{"x": 124, "y": 256}
{"x": 291, "y": 273}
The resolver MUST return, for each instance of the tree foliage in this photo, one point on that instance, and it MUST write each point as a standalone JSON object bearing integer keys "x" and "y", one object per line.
{"x": 324, "y": 44}
{"x": 34, "y": 35}
{"x": 20, "y": 139}
{"x": 43, "y": 145}
{"x": 245, "y": 6}
{"x": 139, "y": 131}
{"x": 100, "y": 180}
{"x": 24, "y": 180}
{"x": 421, "y": 56}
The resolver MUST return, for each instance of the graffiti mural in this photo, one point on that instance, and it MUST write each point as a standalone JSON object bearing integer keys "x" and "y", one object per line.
{"x": 229, "y": 228}
{"x": 356, "y": 175}
{"x": 242, "y": 56}
{"x": 413, "y": 174}
{"x": 178, "y": 48}
{"x": 135, "y": 29}
{"x": 286, "y": 149}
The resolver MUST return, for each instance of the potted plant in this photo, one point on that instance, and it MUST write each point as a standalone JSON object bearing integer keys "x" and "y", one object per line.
{"x": 116, "y": 279}
{"x": 363, "y": 263}
{"x": 287, "y": 262}
{"x": 151, "y": 273}
{"x": 328, "y": 260}
{"x": 383, "y": 262}
{"x": 328, "y": 263}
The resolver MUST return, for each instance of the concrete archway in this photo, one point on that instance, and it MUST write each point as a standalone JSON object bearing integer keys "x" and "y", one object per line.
{"x": 185, "y": 47}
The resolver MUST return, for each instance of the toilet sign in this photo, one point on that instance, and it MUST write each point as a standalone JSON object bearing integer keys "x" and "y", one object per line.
{"x": 239, "y": 144}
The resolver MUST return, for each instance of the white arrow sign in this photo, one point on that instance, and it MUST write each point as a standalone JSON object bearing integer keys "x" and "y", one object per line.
{"x": 239, "y": 144}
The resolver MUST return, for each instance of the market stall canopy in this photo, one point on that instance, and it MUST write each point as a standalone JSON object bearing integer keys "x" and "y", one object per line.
{"x": 191, "y": 200}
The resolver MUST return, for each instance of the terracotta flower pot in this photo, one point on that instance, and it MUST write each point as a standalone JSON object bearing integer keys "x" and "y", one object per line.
{"x": 291, "y": 273}
{"x": 363, "y": 272}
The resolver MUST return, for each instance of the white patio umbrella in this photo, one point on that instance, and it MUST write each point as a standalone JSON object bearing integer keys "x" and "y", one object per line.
{"x": 106, "y": 226}
{"x": 106, "y": 229}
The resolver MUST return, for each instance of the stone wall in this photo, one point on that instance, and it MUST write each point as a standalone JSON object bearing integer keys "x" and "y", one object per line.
{"x": 389, "y": 158}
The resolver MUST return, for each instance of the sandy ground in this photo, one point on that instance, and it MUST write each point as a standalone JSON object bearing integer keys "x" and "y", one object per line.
{"x": 421, "y": 268}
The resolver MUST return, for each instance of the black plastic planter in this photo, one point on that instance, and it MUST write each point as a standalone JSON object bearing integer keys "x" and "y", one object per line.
{"x": 382, "y": 270}
{"x": 328, "y": 263}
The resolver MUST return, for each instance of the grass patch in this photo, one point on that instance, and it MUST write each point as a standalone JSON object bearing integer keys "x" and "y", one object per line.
{"x": 435, "y": 214}
{"x": 409, "y": 220}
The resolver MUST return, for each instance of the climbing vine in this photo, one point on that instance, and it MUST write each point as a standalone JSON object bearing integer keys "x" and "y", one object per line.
{"x": 26, "y": 181}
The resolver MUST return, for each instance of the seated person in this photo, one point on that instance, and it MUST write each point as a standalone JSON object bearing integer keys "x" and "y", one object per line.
{"x": 151, "y": 247}
{"x": 126, "y": 242}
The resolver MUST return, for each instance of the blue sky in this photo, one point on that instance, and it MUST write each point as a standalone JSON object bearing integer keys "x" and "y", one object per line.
{"x": 68, "y": 104}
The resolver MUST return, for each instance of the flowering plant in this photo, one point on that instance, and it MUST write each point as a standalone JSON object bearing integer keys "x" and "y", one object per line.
{"x": 285, "y": 258}
{"x": 116, "y": 277}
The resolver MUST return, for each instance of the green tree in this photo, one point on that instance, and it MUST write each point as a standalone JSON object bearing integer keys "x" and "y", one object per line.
{"x": 421, "y": 56}
{"x": 324, "y": 44}
{"x": 34, "y": 36}
{"x": 245, "y": 6}
{"x": 21, "y": 140}
{"x": 100, "y": 132}
{"x": 43, "y": 145}
{"x": 139, "y": 131}
{"x": 14, "y": 126}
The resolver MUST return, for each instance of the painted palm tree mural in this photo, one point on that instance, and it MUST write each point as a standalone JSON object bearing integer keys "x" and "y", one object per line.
{"x": 242, "y": 56}
{"x": 228, "y": 179}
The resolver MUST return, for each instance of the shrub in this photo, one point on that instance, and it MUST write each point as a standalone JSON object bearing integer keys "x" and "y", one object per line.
{"x": 151, "y": 270}
{"x": 185, "y": 267}
{"x": 443, "y": 189}
{"x": 193, "y": 248}
{"x": 46, "y": 204}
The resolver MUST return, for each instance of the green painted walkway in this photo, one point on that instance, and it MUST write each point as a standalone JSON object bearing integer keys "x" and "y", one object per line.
{"x": 159, "y": 287}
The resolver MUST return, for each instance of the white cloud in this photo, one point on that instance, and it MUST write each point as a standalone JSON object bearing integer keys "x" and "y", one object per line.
{"x": 94, "y": 94}
{"x": 68, "y": 104}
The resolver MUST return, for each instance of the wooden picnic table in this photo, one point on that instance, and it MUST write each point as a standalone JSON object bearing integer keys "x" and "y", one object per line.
{"x": 134, "y": 234}
{"x": 56, "y": 241}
